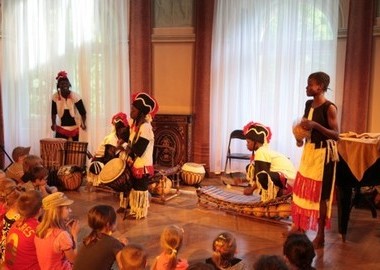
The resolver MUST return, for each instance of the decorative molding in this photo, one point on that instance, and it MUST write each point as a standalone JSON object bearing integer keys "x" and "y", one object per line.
{"x": 173, "y": 34}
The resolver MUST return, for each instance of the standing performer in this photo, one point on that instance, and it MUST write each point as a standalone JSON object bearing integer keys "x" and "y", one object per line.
{"x": 67, "y": 104}
{"x": 314, "y": 183}
{"x": 140, "y": 151}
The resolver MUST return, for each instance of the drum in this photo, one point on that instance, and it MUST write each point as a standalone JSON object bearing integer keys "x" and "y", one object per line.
{"x": 192, "y": 173}
{"x": 116, "y": 175}
{"x": 70, "y": 176}
{"x": 52, "y": 152}
{"x": 76, "y": 153}
{"x": 162, "y": 187}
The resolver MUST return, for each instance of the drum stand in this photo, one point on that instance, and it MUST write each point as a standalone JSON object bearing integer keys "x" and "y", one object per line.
{"x": 173, "y": 175}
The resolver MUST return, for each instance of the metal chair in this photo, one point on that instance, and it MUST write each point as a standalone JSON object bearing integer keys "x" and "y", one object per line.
{"x": 237, "y": 134}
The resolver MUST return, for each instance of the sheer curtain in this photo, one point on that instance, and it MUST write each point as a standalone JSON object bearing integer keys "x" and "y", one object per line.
{"x": 88, "y": 39}
{"x": 262, "y": 54}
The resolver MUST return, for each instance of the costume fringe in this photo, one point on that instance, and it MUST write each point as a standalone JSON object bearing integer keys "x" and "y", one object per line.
{"x": 307, "y": 188}
{"x": 271, "y": 192}
{"x": 139, "y": 202}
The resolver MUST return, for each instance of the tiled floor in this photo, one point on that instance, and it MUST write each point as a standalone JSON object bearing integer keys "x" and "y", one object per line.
{"x": 254, "y": 237}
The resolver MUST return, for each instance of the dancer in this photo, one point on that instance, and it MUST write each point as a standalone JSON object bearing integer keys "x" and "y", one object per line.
{"x": 67, "y": 105}
{"x": 314, "y": 183}
{"x": 140, "y": 150}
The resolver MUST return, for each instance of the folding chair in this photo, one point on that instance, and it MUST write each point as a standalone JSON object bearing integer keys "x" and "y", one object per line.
{"x": 236, "y": 135}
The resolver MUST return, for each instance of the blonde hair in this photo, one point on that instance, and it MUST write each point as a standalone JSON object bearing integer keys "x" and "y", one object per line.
{"x": 224, "y": 247}
{"x": 133, "y": 257}
{"x": 52, "y": 218}
{"x": 171, "y": 241}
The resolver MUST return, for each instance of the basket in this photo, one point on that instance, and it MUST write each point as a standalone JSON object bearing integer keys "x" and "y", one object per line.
{"x": 192, "y": 173}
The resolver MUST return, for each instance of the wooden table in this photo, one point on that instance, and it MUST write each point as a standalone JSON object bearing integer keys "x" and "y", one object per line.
{"x": 359, "y": 166}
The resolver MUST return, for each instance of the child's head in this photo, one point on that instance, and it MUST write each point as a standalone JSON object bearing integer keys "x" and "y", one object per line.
{"x": 102, "y": 220}
{"x": 224, "y": 247}
{"x": 270, "y": 262}
{"x": 201, "y": 266}
{"x": 19, "y": 153}
{"x": 9, "y": 192}
{"x": 56, "y": 213}
{"x": 40, "y": 175}
{"x": 299, "y": 250}
{"x": 321, "y": 79}
{"x": 29, "y": 203}
{"x": 133, "y": 257}
{"x": 171, "y": 241}
{"x": 31, "y": 161}
{"x": 256, "y": 135}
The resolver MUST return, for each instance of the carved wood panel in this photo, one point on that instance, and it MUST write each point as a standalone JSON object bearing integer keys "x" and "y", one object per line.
{"x": 174, "y": 131}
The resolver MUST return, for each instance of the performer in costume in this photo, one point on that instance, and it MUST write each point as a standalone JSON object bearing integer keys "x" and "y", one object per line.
{"x": 67, "y": 105}
{"x": 269, "y": 172}
{"x": 140, "y": 149}
{"x": 110, "y": 147}
{"x": 314, "y": 183}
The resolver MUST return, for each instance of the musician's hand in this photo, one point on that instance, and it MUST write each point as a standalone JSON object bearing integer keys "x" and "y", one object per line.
{"x": 83, "y": 126}
{"x": 299, "y": 143}
{"x": 53, "y": 127}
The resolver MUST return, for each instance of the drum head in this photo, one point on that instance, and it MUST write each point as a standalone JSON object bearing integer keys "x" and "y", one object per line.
{"x": 112, "y": 170}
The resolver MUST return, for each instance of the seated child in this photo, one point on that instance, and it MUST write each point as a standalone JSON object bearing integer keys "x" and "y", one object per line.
{"x": 224, "y": 251}
{"x": 270, "y": 262}
{"x": 102, "y": 221}
{"x": 269, "y": 171}
{"x": 299, "y": 251}
{"x": 28, "y": 164}
{"x": 20, "y": 250}
{"x": 10, "y": 192}
{"x": 15, "y": 171}
{"x": 133, "y": 257}
{"x": 171, "y": 242}
{"x": 39, "y": 181}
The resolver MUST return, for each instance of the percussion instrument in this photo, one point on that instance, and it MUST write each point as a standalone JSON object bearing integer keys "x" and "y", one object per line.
{"x": 52, "y": 152}
{"x": 274, "y": 210}
{"x": 116, "y": 175}
{"x": 70, "y": 176}
{"x": 192, "y": 173}
{"x": 161, "y": 187}
{"x": 76, "y": 153}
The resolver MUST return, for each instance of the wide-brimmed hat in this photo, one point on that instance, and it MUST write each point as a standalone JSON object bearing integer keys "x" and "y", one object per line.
{"x": 257, "y": 132}
{"x": 55, "y": 199}
{"x": 145, "y": 103}
{"x": 20, "y": 151}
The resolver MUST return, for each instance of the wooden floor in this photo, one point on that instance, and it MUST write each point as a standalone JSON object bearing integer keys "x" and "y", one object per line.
{"x": 254, "y": 237}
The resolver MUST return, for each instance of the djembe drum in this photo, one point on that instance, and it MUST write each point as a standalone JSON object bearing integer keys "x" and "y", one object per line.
{"x": 192, "y": 173}
{"x": 52, "y": 152}
{"x": 70, "y": 176}
{"x": 116, "y": 175}
{"x": 76, "y": 153}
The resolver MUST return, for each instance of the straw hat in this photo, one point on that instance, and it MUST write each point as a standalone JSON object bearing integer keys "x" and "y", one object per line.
{"x": 56, "y": 199}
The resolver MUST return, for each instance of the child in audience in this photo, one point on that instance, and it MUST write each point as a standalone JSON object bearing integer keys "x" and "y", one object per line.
{"x": 2, "y": 199}
{"x": 28, "y": 164}
{"x": 15, "y": 171}
{"x": 223, "y": 257}
{"x": 133, "y": 257}
{"x": 270, "y": 262}
{"x": 38, "y": 181}
{"x": 57, "y": 234}
{"x": 20, "y": 250}
{"x": 171, "y": 242}
{"x": 100, "y": 249}
{"x": 299, "y": 251}
{"x": 201, "y": 266}
{"x": 10, "y": 192}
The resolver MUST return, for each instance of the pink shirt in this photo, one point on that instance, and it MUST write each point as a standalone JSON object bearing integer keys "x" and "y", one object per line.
{"x": 50, "y": 250}
{"x": 20, "y": 250}
{"x": 162, "y": 263}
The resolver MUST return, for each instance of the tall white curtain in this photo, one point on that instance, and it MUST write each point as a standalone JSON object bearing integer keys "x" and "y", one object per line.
{"x": 262, "y": 54}
{"x": 86, "y": 38}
